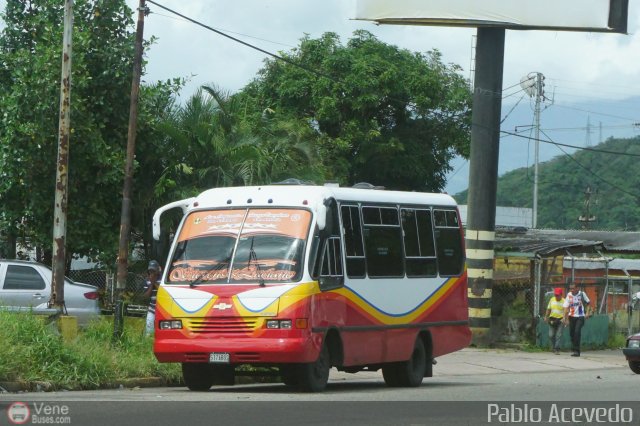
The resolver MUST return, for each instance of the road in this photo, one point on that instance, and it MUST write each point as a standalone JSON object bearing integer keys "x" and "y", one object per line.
{"x": 461, "y": 392}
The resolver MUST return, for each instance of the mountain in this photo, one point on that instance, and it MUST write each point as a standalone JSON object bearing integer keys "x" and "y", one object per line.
{"x": 603, "y": 180}
{"x": 577, "y": 124}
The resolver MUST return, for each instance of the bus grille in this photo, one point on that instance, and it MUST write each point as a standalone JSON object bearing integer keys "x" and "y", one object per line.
{"x": 222, "y": 325}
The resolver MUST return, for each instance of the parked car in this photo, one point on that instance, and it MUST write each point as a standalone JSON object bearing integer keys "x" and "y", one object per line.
{"x": 632, "y": 352}
{"x": 27, "y": 285}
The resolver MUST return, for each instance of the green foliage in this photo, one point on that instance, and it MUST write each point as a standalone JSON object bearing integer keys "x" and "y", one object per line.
{"x": 102, "y": 56}
{"x": 35, "y": 351}
{"x": 617, "y": 340}
{"x": 563, "y": 181}
{"x": 381, "y": 114}
{"x": 30, "y": 58}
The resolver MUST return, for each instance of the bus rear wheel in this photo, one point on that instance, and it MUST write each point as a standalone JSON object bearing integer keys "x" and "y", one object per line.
{"x": 313, "y": 377}
{"x": 197, "y": 376}
{"x": 635, "y": 366}
{"x": 407, "y": 373}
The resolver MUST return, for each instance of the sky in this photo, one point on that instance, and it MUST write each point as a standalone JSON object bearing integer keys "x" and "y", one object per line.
{"x": 591, "y": 77}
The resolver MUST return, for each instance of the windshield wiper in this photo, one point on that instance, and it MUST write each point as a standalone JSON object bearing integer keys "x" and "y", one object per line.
{"x": 253, "y": 257}
{"x": 199, "y": 278}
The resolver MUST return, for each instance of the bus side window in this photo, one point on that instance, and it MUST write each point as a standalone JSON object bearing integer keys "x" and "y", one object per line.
{"x": 419, "y": 246}
{"x": 354, "y": 248}
{"x": 331, "y": 275}
{"x": 383, "y": 242}
{"x": 448, "y": 242}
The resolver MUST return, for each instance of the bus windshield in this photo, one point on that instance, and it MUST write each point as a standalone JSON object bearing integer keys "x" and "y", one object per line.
{"x": 240, "y": 246}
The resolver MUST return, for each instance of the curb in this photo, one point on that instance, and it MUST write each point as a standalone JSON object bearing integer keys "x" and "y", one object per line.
{"x": 131, "y": 383}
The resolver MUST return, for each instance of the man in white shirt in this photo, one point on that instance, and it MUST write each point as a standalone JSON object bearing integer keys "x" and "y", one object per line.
{"x": 575, "y": 312}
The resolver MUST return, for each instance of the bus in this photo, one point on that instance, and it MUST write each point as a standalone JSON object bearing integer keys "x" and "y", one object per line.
{"x": 293, "y": 280}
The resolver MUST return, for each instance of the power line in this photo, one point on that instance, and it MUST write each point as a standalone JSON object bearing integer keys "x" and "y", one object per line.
{"x": 587, "y": 83}
{"x": 286, "y": 60}
{"x": 229, "y": 31}
{"x": 595, "y": 174}
{"x": 611, "y": 126}
{"x": 597, "y": 113}
{"x": 549, "y": 141}
{"x": 511, "y": 110}
{"x": 266, "y": 52}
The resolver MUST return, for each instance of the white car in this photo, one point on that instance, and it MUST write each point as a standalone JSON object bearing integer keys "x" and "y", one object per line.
{"x": 27, "y": 286}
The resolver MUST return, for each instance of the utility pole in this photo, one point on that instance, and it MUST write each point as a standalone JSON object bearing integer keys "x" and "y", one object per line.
{"x": 586, "y": 219}
{"x": 600, "y": 133}
{"x": 483, "y": 178}
{"x": 62, "y": 169}
{"x": 533, "y": 85}
{"x": 588, "y": 136}
{"x": 539, "y": 98}
{"x": 125, "y": 216}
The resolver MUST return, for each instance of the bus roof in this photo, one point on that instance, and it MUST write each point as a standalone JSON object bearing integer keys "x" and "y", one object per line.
{"x": 307, "y": 195}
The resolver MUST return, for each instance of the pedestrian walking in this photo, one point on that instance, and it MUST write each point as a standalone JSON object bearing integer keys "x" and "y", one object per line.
{"x": 554, "y": 317}
{"x": 150, "y": 292}
{"x": 575, "y": 311}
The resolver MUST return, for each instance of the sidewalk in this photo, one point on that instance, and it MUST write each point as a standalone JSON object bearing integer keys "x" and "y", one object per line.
{"x": 472, "y": 361}
{"x": 495, "y": 361}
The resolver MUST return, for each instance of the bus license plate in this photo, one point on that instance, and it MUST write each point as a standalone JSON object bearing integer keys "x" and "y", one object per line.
{"x": 219, "y": 357}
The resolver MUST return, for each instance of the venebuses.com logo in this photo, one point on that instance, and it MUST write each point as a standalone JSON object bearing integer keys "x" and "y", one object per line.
{"x": 20, "y": 413}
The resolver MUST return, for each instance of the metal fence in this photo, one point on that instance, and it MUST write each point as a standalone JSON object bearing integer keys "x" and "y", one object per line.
{"x": 516, "y": 305}
{"x": 135, "y": 301}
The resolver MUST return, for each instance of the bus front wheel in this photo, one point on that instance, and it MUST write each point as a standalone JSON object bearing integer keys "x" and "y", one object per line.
{"x": 313, "y": 377}
{"x": 407, "y": 373}
{"x": 197, "y": 376}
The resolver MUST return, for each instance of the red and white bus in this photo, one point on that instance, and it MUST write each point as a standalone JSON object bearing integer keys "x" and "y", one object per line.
{"x": 303, "y": 278}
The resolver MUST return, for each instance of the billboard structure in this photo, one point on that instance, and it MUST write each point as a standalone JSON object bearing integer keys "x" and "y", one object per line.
{"x": 492, "y": 18}
{"x": 557, "y": 15}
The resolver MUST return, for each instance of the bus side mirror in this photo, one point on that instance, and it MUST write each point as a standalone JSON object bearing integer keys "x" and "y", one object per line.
{"x": 321, "y": 219}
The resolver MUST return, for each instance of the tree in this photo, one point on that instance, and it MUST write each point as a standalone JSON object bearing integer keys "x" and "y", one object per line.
{"x": 30, "y": 52}
{"x": 382, "y": 114}
{"x": 211, "y": 146}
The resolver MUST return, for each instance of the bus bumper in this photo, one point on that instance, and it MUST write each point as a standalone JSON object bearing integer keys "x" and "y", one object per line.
{"x": 240, "y": 350}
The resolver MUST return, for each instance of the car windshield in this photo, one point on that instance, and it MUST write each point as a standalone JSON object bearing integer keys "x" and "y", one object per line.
{"x": 240, "y": 246}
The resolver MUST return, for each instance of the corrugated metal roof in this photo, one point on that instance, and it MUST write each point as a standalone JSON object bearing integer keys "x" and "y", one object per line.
{"x": 600, "y": 263}
{"x": 538, "y": 242}
{"x": 613, "y": 241}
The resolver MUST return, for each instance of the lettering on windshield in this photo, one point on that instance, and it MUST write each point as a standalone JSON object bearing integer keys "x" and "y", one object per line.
{"x": 244, "y": 274}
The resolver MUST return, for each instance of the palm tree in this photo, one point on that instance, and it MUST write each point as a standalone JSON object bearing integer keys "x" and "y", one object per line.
{"x": 212, "y": 145}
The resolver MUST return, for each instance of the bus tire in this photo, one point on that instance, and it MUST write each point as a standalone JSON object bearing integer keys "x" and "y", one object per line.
{"x": 313, "y": 376}
{"x": 197, "y": 376}
{"x": 407, "y": 373}
{"x": 390, "y": 375}
{"x": 635, "y": 366}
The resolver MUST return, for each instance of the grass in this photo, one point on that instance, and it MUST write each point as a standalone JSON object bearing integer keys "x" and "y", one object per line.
{"x": 616, "y": 339}
{"x": 34, "y": 351}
